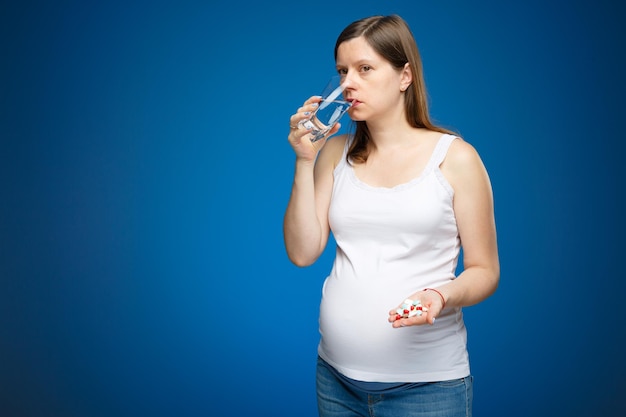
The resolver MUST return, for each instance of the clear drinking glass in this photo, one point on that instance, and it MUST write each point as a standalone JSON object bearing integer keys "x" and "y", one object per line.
{"x": 329, "y": 111}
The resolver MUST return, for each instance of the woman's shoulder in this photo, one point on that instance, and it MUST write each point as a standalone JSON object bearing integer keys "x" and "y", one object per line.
{"x": 338, "y": 143}
{"x": 333, "y": 149}
{"x": 462, "y": 162}
{"x": 461, "y": 152}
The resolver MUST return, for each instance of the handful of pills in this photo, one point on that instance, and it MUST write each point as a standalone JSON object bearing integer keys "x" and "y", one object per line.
{"x": 410, "y": 308}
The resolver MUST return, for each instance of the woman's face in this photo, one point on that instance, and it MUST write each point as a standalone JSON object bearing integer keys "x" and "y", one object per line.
{"x": 372, "y": 84}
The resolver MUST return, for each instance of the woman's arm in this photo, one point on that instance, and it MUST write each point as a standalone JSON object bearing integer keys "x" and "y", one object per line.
{"x": 474, "y": 211}
{"x": 305, "y": 224}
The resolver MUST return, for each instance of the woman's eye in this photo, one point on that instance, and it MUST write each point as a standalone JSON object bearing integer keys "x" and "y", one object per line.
{"x": 366, "y": 68}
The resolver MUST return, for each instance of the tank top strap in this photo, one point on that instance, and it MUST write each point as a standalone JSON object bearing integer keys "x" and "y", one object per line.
{"x": 441, "y": 149}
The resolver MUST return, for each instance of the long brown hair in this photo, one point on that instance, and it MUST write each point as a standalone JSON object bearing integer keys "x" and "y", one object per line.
{"x": 392, "y": 39}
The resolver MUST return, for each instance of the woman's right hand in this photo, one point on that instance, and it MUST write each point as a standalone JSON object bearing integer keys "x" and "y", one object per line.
{"x": 300, "y": 137}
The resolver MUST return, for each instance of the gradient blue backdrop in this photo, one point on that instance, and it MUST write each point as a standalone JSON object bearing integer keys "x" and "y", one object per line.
{"x": 145, "y": 170}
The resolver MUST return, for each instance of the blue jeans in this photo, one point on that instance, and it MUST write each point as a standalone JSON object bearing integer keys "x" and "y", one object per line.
{"x": 431, "y": 399}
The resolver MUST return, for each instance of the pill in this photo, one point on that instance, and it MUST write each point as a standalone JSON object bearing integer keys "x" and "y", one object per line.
{"x": 410, "y": 308}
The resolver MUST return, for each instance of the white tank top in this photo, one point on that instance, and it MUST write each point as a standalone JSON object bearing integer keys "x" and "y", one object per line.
{"x": 391, "y": 243}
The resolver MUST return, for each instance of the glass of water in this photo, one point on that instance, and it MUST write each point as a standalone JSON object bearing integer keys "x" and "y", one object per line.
{"x": 329, "y": 111}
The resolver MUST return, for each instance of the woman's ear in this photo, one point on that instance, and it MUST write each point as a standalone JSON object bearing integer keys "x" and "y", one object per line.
{"x": 406, "y": 77}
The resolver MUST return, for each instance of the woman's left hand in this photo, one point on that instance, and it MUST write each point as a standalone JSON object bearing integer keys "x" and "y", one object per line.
{"x": 431, "y": 303}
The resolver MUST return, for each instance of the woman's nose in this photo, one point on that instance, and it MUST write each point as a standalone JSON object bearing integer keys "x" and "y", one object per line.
{"x": 348, "y": 81}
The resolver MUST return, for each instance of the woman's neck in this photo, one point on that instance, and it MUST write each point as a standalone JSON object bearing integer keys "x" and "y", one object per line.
{"x": 392, "y": 135}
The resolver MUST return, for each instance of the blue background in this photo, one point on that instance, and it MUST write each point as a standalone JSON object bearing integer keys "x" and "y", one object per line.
{"x": 145, "y": 171}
